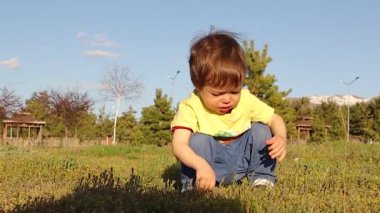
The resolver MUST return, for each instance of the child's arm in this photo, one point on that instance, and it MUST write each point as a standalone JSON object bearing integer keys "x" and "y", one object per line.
{"x": 277, "y": 144}
{"x": 205, "y": 175}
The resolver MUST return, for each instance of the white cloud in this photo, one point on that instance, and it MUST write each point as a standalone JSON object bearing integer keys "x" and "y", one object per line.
{"x": 99, "y": 53}
{"x": 96, "y": 40}
{"x": 12, "y": 63}
{"x": 80, "y": 35}
{"x": 101, "y": 40}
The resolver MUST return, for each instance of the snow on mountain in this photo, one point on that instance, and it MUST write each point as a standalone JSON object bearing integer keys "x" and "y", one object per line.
{"x": 338, "y": 99}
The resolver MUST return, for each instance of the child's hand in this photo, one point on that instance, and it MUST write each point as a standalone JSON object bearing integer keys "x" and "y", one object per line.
{"x": 277, "y": 147}
{"x": 205, "y": 178}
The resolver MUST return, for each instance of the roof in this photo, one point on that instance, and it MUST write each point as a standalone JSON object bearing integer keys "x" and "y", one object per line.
{"x": 23, "y": 118}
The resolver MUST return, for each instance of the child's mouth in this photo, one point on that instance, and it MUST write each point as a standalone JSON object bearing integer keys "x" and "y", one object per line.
{"x": 225, "y": 109}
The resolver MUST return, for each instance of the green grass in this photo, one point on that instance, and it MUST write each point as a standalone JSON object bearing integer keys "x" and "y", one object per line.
{"x": 335, "y": 176}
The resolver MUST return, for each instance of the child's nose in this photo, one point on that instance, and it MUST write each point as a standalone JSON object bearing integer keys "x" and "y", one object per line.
{"x": 226, "y": 98}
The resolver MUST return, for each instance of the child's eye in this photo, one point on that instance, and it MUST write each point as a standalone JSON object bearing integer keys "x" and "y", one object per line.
{"x": 235, "y": 92}
{"x": 216, "y": 94}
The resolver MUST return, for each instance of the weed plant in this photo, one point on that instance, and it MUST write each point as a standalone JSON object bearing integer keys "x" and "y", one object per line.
{"x": 328, "y": 177}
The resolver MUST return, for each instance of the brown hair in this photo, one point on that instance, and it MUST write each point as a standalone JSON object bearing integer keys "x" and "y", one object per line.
{"x": 217, "y": 60}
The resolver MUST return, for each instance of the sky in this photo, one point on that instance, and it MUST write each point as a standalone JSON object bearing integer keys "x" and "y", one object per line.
{"x": 314, "y": 45}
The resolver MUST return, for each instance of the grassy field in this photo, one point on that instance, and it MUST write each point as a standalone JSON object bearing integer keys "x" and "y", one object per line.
{"x": 332, "y": 177}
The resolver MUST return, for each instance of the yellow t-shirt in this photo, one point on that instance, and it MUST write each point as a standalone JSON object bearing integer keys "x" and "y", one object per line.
{"x": 194, "y": 116}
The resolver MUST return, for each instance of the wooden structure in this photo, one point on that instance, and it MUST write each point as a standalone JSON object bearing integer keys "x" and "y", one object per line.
{"x": 13, "y": 127}
{"x": 305, "y": 126}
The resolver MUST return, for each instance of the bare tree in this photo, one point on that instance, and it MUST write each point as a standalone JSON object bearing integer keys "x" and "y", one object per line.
{"x": 119, "y": 83}
{"x": 9, "y": 102}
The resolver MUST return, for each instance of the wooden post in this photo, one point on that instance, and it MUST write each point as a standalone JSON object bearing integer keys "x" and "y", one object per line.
{"x": 40, "y": 134}
{"x": 298, "y": 133}
{"x": 5, "y": 132}
{"x": 28, "y": 133}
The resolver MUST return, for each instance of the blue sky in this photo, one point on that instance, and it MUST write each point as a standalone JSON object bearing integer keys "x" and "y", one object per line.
{"x": 315, "y": 45}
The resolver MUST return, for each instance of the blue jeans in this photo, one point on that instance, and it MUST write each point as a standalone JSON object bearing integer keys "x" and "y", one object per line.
{"x": 247, "y": 156}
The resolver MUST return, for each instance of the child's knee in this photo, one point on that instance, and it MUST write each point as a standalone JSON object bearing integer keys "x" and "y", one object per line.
{"x": 261, "y": 131}
{"x": 199, "y": 141}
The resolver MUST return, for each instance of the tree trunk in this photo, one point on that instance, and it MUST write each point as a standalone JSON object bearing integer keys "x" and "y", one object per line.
{"x": 118, "y": 99}
{"x": 66, "y": 132}
{"x": 66, "y": 136}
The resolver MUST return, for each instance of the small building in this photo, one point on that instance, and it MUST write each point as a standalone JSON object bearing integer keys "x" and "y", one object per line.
{"x": 14, "y": 128}
{"x": 305, "y": 126}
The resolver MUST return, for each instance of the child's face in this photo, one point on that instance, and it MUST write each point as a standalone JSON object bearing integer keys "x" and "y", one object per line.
{"x": 220, "y": 100}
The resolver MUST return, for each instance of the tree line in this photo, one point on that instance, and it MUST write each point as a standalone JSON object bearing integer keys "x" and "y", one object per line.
{"x": 68, "y": 113}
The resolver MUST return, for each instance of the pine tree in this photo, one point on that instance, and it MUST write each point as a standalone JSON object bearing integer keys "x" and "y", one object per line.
{"x": 374, "y": 107}
{"x": 302, "y": 107}
{"x": 365, "y": 120}
{"x": 156, "y": 120}
{"x": 263, "y": 85}
{"x": 328, "y": 113}
{"x": 104, "y": 124}
{"x": 86, "y": 128}
{"x": 318, "y": 132}
{"x": 127, "y": 125}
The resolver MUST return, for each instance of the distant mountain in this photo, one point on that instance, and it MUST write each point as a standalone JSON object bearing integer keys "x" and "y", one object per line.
{"x": 338, "y": 99}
